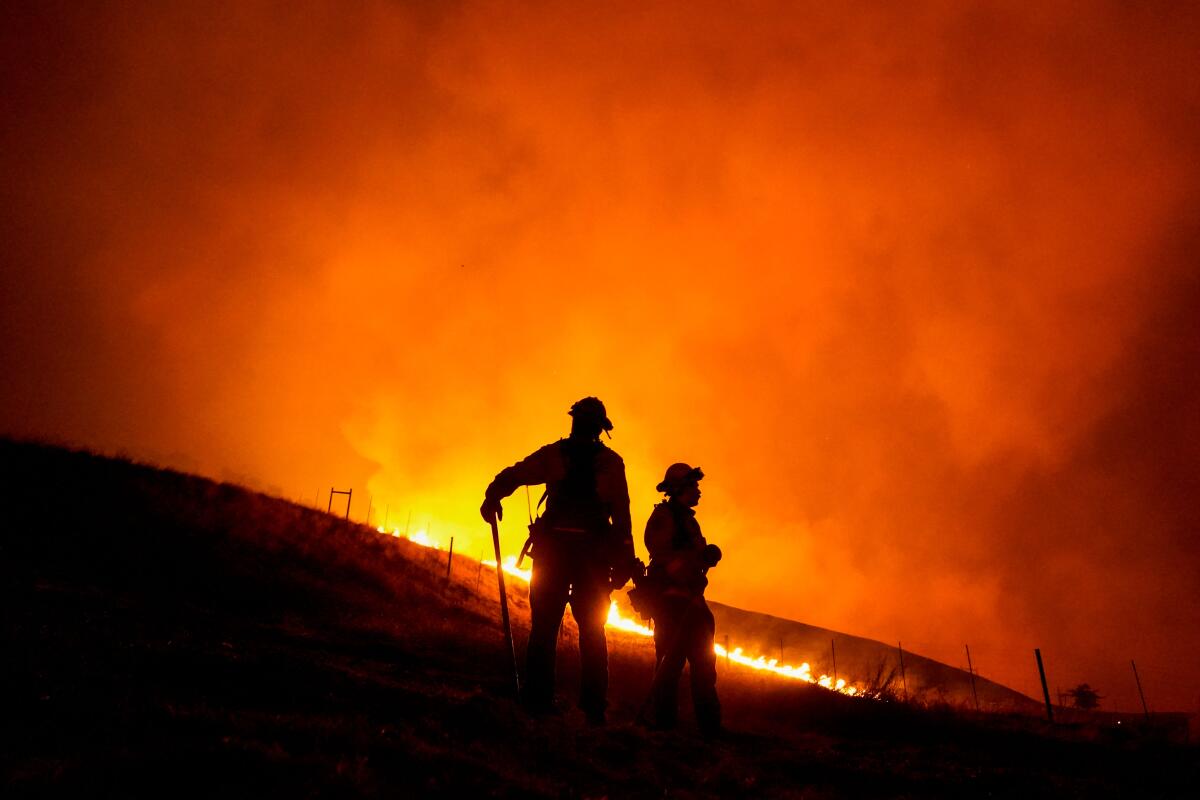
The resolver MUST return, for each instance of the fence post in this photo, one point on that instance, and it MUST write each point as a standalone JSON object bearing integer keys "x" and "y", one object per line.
{"x": 349, "y": 495}
{"x": 1145, "y": 708}
{"x": 971, "y": 670}
{"x": 903, "y": 679}
{"x": 449, "y": 559}
{"x": 1045, "y": 689}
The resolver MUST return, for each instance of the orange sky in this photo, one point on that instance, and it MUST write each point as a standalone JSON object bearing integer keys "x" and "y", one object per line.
{"x": 916, "y": 286}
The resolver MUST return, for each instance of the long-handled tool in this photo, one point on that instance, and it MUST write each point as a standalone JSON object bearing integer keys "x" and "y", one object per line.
{"x": 508, "y": 637}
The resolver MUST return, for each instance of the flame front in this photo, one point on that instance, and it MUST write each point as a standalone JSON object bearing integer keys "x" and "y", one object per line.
{"x": 617, "y": 621}
{"x": 510, "y": 566}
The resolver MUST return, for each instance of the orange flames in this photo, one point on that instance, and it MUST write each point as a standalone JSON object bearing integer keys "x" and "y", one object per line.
{"x": 617, "y": 621}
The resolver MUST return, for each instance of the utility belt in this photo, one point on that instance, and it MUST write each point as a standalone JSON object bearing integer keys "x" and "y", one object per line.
{"x": 654, "y": 592}
{"x": 545, "y": 535}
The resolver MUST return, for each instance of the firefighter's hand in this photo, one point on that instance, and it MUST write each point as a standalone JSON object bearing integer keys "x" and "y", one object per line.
{"x": 491, "y": 510}
{"x": 710, "y": 555}
{"x": 621, "y": 573}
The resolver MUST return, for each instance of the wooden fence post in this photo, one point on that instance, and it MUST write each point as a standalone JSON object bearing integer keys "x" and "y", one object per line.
{"x": 1045, "y": 689}
{"x": 1145, "y": 708}
{"x": 349, "y": 496}
{"x": 971, "y": 670}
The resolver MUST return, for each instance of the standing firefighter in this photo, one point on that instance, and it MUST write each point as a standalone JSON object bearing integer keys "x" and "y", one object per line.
{"x": 683, "y": 624}
{"x": 582, "y": 549}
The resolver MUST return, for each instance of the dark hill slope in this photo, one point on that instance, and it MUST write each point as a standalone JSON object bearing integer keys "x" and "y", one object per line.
{"x": 166, "y": 635}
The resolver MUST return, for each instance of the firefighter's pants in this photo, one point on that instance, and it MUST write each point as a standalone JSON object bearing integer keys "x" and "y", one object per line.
{"x": 683, "y": 632}
{"x": 562, "y": 575}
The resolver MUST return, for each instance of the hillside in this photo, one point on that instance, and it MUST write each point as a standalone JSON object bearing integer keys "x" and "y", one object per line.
{"x": 165, "y": 634}
{"x": 868, "y": 662}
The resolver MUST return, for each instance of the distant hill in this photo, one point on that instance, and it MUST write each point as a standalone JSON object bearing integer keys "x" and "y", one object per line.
{"x": 168, "y": 635}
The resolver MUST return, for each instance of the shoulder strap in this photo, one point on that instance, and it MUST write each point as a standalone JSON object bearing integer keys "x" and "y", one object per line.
{"x": 529, "y": 509}
{"x": 682, "y": 535}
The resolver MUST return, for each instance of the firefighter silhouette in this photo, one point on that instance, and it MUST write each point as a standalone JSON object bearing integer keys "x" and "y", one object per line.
{"x": 683, "y": 624}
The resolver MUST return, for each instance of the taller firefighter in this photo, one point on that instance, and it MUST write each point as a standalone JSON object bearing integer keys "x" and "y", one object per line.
{"x": 680, "y": 559}
{"x": 582, "y": 550}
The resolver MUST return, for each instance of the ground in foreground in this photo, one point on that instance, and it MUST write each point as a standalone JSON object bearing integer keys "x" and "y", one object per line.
{"x": 168, "y": 635}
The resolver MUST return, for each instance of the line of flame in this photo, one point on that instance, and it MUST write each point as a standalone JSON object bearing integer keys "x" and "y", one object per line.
{"x": 618, "y": 622}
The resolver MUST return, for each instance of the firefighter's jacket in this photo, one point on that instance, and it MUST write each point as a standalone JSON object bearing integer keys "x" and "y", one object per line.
{"x": 609, "y": 519}
{"x": 676, "y": 548}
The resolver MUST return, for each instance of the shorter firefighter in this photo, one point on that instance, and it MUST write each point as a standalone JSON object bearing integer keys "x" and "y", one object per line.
{"x": 683, "y": 624}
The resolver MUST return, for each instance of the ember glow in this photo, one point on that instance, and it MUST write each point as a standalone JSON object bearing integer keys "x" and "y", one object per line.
{"x": 915, "y": 283}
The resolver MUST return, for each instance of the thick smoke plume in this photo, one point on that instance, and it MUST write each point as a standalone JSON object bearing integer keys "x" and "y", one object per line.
{"x": 916, "y": 286}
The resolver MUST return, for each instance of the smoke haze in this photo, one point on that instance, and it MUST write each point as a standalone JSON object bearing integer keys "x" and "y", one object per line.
{"x": 916, "y": 285}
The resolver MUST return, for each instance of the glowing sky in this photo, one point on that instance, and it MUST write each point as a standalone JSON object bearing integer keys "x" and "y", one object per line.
{"x": 916, "y": 284}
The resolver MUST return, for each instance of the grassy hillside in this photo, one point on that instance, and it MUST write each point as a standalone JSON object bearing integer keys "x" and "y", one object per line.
{"x": 164, "y": 634}
{"x": 873, "y": 664}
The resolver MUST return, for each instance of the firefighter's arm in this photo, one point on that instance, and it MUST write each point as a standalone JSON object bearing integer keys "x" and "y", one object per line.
{"x": 623, "y": 558}
{"x": 660, "y": 534}
{"x": 710, "y": 554}
{"x": 530, "y": 471}
{"x": 622, "y": 523}
{"x": 660, "y": 529}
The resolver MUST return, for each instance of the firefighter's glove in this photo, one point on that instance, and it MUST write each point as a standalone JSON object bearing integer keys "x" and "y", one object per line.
{"x": 491, "y": 509}
{"x": 621, "y": 573}
{"x": 639, "y": 570}
{"x": 710, "y": 555}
